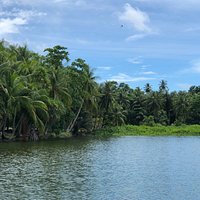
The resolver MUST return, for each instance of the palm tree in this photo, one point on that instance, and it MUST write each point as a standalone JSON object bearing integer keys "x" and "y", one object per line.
{"x": 87, "y": 88}
{"x": 20, "y": 106}
{"x": 119, "y": 116}
{"x": 181, "y": 106}
{"x": 108, "y": 95}
{"x": 147, "y": 88}
{"x": 163, "y": 87}
{"x": 153, "y": 104}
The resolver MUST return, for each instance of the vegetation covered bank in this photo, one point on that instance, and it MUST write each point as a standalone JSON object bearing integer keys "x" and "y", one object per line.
{"x": 41, "y": 95}
{"x": 131, "y": 130}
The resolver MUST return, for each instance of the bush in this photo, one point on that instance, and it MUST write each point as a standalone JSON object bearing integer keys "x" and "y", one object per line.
{"x": 148, "y": 121}
{"x": 178, "y": 122}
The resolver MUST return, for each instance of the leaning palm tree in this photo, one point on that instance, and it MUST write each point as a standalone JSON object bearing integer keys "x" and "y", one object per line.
{"x": 87, "y": 88}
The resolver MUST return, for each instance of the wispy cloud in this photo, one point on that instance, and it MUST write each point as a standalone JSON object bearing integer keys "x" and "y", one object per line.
{"x": 106, "y": 68}
{"x": 83, "y": 41}
{"x": 194, "y": 67}
{"x": 149, "y": 73}
{"x": 25, "y": 14}
{"x": 121, "y": 77}
{"x": 23, "y": 2}
{"x": 193, "y": 29}
{"x": 11, "y": 21}
{"x": 82, "y": 4}
{"x": 136, "y": 37}
{"x": 69, "y": 2}
{"x": 136, "y": 60}
{"x": 55, "y": 3}
{"x": 184, "y": 86}
{"x": 178, "y": 4}
{"x": 144, "y": 67}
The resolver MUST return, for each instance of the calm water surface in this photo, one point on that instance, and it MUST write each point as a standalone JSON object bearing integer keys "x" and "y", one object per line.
{"x": 138, "y": 168}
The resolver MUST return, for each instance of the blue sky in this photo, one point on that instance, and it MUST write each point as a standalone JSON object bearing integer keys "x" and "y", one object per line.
{"x": 133, "y": 41}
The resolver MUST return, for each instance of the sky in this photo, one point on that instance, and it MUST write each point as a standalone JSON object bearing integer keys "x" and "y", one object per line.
{"x": 132, "y": 41}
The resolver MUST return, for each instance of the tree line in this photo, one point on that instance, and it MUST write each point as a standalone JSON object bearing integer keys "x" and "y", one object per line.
{"x": 41, "y": 94}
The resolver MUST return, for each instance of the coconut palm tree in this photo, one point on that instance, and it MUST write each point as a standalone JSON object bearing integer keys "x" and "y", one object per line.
{"x": 163, "y": 87}
{"x": 21, "y": 107}
{"x": 181, "y": 106}
{"x": 153, "y": 104}
{"x": 87, "y": 88}
{"x": 147, "y": 88}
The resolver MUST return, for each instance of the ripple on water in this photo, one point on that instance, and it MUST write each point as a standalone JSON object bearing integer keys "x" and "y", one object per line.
{"x": 145, "y": 168}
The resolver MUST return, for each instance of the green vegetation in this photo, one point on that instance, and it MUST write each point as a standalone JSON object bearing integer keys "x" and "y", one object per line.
{"x": 130, "y": 130}
{"x": 48, "y": 95}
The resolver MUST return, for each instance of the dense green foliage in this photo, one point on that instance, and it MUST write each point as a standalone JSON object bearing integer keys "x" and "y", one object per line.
{"x": 45, "y": 94}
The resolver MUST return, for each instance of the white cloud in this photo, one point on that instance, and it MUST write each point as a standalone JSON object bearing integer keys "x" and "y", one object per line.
{"x": 30, "y": 13}
{"x": 195, "y": 67}
{"x": 144, "y": 67}
{"x": 106, "y": 68}
{"x": 179, "y": 4}
{"x": 20, "y": 2}
{"x": 138, "y": 19}
{"x": 69, "y": 2}
{"x": 11, "y": 21}
{"x": 44, "y": 4}
{"x": 25, "y": 14}
{"x": 193, "y": 29}
{"x": 82, "y": 41}
{"x": 5, "y": 2}
{"x": 149, "y": 73}
{"x": 121, "y": 77}
{"x": 135, "y": 37}
{"x": 11, "y": 25}
{"x": 136, "y": 60}
{"x": 59, "y": 1}
{"x": 81, "y": 4}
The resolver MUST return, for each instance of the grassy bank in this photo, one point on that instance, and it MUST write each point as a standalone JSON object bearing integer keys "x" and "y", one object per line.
{"x": 129, "y": 130}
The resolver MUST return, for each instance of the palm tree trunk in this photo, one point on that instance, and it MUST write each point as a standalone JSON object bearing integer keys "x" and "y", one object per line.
{"x": 25, "y": 129}
{"x": 3, "y": 128}
{"x": 71, "y": 125}
{"x": 14, "y": 119}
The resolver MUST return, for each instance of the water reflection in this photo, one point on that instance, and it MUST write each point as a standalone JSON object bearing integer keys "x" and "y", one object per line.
{"x": 117, "y": 168}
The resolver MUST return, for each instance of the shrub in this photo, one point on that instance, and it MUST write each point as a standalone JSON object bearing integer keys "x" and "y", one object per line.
{"x": 148, "y": 121}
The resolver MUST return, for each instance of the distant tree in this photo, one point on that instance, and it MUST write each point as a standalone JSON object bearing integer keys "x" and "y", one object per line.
{"x": 194, "y": 89}
{"x": 147, "y": 88}
{"x": 163, "y": 87}
{"x": 56, "y": 56}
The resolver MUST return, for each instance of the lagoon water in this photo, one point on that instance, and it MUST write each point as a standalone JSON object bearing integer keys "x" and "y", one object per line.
{"x": 121, "y": 168}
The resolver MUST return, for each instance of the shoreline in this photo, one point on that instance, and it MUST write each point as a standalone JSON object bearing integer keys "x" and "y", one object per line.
{"x": 126, "y": 130}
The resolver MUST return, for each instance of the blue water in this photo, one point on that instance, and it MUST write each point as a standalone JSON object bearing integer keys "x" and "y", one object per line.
{"x": 138, "y": 168}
